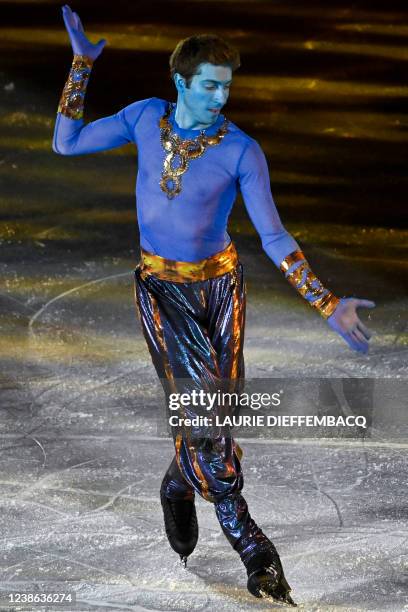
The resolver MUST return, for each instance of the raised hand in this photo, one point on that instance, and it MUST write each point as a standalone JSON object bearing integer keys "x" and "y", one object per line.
{"x": 80, "y": 44}
{"x": 345, "y": 322}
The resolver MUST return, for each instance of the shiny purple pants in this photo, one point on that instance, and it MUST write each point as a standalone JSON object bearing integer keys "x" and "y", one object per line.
{"x": 195, "y": 335}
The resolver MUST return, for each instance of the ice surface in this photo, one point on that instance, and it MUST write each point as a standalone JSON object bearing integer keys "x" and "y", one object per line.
{"x": 82, "y": 462}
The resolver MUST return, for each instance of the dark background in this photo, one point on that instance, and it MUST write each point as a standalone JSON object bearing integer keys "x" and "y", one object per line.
{"x": 336, "y": 151}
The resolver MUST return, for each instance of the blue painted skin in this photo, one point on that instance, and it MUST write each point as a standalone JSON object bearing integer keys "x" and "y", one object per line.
{"x": 178, "y": 229}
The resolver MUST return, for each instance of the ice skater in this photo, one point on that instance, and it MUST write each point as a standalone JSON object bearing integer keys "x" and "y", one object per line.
{"x": 189, "y": 285}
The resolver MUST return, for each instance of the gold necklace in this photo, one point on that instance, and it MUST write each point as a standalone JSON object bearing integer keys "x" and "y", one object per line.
{"x": 186, "y": 150}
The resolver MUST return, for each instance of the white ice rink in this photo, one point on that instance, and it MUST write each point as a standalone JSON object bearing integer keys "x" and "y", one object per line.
{"x": 82, "y": 461}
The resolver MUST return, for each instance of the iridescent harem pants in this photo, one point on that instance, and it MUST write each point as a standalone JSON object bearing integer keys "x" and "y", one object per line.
{"x": 193, "y": 317}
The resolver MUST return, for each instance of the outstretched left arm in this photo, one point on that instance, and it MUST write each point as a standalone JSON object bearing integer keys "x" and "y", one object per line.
{"x": 282, "y": 248}
{"x": 341, "y": 314}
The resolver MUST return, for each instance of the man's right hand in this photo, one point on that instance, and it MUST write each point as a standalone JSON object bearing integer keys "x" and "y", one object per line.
{"x": 80, "y": 44}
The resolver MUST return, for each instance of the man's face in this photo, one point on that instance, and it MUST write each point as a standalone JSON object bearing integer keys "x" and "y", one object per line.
{"x": 208, "y": 92}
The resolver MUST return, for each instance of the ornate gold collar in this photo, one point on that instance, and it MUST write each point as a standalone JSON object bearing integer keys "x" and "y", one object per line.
{"x": 186, "y": 150}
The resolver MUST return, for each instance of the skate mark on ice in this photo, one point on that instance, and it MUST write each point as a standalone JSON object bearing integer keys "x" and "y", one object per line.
{"x": 20, "y": 565}
{"x": 38, "y": 483}
{"x": 86, "y": 493}
{"x": 19, "y": 302}
{"x": 26, "y": 434}
{"x": 39, "y": 504}
{"x": 40, "y": 445}
{"x": 82, "y": 564}
{"x": 348, "y": 444}
{"x": 324, "y": 493}
{"x": 40, "y": 394}
{"x": 135, "y": 498}
{"x": 388, "y": 559}
{"x": 111, "y": 605}
{"x": 158, "y": 599}
{"x": 319, "y": 550}
{"x": 56, "y": 298}
{"x": 68, "y": 534}
{"x": 100, "y": 385}
{"x": 281, "y": 511}
{"x": 110, "y": 502}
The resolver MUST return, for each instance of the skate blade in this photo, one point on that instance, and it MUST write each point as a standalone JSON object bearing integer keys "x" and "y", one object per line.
{"x": 280, "y": 602}
{"x": 183, "y": 561}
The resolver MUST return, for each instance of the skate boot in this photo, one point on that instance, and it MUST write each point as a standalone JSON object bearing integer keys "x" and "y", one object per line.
{"x": 180, "y": 521}
{"x": 266, "y": 578}
{"x": 258, "y": 554}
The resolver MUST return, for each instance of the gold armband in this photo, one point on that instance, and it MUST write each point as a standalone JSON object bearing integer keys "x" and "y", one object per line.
{"x": 72, "y": 99}
{"x": 308, "y": 285}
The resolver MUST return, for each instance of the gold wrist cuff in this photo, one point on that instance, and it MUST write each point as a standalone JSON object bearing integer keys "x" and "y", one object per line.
{"x": 326, "y": 305}
{"x": 72, "y": 99}
{"x": 308, "y": 285}
{"x": 290, "y": 260}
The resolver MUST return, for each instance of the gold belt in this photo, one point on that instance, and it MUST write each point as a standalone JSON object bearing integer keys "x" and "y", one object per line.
{"x": 189, "y": 271}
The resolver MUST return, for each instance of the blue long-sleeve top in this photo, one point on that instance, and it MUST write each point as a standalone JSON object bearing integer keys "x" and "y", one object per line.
{"x": 193, "y": 225}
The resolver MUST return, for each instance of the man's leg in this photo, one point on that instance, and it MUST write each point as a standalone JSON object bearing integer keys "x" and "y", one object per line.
{"x": 175, "y": 485}
{"x": 232, "y": 510}
{"x": 194, "y": 332}
{"x": 174, "y": 319}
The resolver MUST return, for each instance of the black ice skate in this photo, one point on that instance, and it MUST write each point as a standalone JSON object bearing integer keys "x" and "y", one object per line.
{"x": 266, "y": 578}
{"x": 180, "y": 521}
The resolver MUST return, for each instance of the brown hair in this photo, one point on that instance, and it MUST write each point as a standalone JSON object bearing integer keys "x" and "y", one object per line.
{"x": 204, "y": 48}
